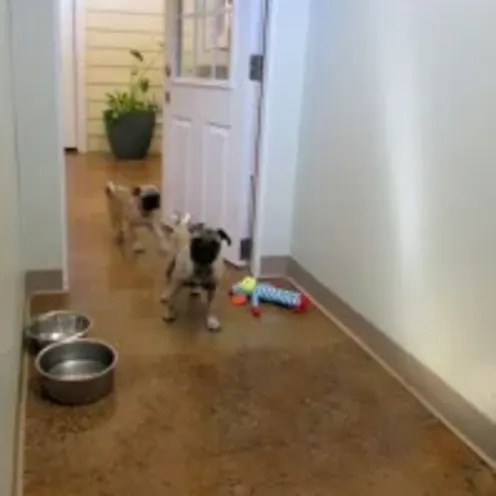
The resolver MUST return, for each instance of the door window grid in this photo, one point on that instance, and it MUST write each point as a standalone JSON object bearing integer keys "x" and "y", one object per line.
{"x": 204, "y": 39}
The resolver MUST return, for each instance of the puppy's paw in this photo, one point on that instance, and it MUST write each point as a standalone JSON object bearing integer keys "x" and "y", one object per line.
{"x": 169, "y": 315}
{"x": 213, "y": 323}
{"x": 138, "y": 247}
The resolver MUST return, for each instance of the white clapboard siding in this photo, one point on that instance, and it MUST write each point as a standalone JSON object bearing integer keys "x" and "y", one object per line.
{"x": 123, "y": 21}
{"x": 134, "y": 6}
{"x": 113, "y": 28}
{"x": 119, "y": 39}
{"x": 116, "y": 57}
{"x": 117, "y": 74}
{"x": 97, "y": 91}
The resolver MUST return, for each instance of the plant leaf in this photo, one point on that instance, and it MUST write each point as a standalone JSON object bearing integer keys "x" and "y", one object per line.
{"x": 136, "y": 54}
{"x": 135, "y": 97}
{"x": 144, "y": 84}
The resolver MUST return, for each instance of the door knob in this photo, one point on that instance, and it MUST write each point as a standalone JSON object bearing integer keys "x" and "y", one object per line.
{"x": 167, "y": 97}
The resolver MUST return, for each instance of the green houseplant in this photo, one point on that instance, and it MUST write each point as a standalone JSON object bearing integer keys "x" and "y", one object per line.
{"x": 130, "y": 115}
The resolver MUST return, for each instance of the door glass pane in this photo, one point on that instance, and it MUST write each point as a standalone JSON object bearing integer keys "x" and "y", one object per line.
{"x": 187, "y": 7}
{"x": 222, "y": 43}
{"x": 204, "y": 54}
{"x": 186, "y": 47}
{"x": 204, "y": 39}
{"x": 213, "y": 6}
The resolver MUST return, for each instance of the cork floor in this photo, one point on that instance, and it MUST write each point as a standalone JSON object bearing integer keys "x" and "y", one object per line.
{"x": 282, "y": 406}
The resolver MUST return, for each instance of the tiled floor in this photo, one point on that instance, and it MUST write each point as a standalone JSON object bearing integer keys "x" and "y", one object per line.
{"x": 282, "y": 406}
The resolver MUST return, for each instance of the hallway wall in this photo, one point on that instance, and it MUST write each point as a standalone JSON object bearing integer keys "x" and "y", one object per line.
{"x": 11, "y": 269}
{"x": 39, "y": 143}
{"x": 396, "y": 176}
{"x": 113, "y": 27}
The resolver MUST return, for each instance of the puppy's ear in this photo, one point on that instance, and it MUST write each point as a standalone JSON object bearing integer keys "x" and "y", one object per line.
{"x": 224, "y": 236}
{"x": 136, "y": 191}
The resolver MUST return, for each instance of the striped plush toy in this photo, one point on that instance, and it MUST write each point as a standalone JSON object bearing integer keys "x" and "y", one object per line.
{"x": 264, "y": 292}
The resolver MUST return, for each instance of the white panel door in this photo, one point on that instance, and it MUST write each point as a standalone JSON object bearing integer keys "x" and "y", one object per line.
{"x": 68, "y": 72}
{"x": 210, "y": 113}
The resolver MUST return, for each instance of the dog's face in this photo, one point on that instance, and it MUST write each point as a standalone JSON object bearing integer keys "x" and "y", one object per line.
{"x": 206, "y": 243}
{"x": 148, "y": 199}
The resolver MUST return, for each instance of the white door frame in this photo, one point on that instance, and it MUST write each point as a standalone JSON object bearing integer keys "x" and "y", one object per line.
{"x": 80, "y": 44}
{"x": 80, "y": 72}
{"x": 67, "y": 88}
{"x": 279, "y": 124}
{"x": 260, "y": 159}
{"x": 254, "y": 263}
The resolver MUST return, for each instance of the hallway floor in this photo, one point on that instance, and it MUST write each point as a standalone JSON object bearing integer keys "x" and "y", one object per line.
{"x": 282, "y": 406}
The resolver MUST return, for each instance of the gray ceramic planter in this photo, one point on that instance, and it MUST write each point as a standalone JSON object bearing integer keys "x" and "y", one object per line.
{"x": 130, "y": 135}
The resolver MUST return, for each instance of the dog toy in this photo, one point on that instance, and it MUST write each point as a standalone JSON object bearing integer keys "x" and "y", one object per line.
{"x": 265, "y": 292}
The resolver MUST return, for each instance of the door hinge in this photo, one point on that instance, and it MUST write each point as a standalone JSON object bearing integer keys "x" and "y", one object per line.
{"x": 256, "y": 67}
{"x": 245, "y": 249}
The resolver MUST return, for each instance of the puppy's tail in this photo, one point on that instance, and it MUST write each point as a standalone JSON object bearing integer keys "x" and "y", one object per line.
{"x": 179, "y": 235}
{"x": 109, "y": 188}
{"x": 181, "y": 219}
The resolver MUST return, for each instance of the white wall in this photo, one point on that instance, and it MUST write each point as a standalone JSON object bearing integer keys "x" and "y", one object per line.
{"x": 396, "y": 188}
{"x": 284, "y": 77}
{"x": 36, "y": 74}
{"x": 11, "y": 289}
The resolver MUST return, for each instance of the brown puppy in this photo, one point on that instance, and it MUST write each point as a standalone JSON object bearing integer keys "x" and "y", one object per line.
{"x": 132, "y": 208}
{"x": 195, "y": 261}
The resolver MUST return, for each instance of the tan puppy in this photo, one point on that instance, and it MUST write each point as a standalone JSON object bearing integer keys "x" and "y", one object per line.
{"x": 194, "y": 262}
{"x": 133, "y": 208}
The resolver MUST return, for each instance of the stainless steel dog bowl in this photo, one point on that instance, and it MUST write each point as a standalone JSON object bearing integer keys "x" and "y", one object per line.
{"x": 78, "y": 371}
{"x": 56, "y": 326}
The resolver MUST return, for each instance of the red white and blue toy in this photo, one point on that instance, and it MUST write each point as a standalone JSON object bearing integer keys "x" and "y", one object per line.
{"x": 266, "y": 293}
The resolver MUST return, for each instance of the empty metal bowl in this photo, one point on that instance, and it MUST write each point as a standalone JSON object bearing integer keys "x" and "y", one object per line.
{"x": 78, "y": 371}
{"x": 56, "y": 326}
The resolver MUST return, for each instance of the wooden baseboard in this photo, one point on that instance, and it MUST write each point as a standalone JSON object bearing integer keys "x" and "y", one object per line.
{"x": 36, "y": 281}
{"x": 43, "y": 294}
{"x": 17, "y": 483}
{"x": 274, "y": 266}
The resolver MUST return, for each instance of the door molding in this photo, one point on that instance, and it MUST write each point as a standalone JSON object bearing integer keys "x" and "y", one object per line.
{"x": 80, "y": 64}
{"x": 260, "y": 159}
